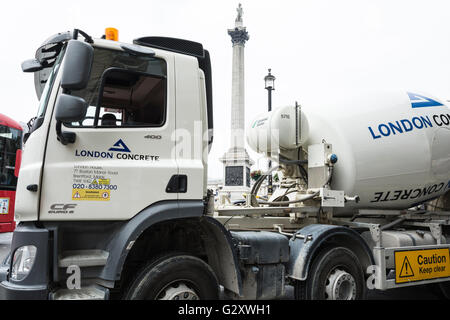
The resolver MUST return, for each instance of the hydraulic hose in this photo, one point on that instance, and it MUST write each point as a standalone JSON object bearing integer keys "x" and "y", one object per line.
{"x": 260, "y": 180}
{"x": 304, "y": 198}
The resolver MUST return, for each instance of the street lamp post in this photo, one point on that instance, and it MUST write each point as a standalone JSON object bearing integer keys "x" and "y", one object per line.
{"x": 269, "y": 81}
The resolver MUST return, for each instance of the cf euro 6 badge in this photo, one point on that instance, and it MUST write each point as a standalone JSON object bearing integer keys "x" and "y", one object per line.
{"x": 119, "y": 150}
{"x": 419, "y": 265}
{"x": 62, "y": 208}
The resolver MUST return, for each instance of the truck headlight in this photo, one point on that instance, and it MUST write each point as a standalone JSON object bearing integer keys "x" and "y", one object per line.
{"x": 22, "y": 262}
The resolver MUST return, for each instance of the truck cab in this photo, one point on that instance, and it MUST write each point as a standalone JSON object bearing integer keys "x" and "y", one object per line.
{"x": 134, "y": 136}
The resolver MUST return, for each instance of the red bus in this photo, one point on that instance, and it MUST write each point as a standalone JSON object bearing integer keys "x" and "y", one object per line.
{"x": 10, "y": 157}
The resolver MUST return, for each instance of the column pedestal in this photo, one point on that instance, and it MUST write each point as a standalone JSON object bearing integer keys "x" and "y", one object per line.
{"x": 236, "y": 172}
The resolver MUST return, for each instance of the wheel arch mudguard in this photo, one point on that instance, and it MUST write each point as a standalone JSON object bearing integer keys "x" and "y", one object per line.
{"x": 222, "y": 255}
{"x": 303, "y": 251}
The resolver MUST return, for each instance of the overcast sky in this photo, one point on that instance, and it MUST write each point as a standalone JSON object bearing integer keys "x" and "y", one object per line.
{"x": 314, "y": 47}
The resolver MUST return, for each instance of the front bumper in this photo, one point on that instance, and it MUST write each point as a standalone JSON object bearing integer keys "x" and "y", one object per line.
{"x": 35, "y": 285}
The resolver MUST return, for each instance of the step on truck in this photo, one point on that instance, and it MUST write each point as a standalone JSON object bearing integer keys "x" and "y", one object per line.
{"x": 112, "y": 198}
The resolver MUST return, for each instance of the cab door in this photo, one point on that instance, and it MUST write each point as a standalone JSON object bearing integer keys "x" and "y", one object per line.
{"x": 122, "y": 158}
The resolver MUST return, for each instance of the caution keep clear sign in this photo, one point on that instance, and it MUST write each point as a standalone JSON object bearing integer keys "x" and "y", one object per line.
{"x": 421, "y": 265}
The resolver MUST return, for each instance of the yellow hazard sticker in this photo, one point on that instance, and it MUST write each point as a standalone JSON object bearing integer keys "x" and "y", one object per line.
{"x": 421, "y": 265}
{"x": 90, "y": 194}
{"x": 100, "y": 181}
{"x": 103, "y": 181}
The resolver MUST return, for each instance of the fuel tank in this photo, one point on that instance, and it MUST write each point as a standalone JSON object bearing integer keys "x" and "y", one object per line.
{"x": 393, "y": 148}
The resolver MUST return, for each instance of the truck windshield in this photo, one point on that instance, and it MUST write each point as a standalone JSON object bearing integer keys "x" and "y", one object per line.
{"x": 47, "y": 90}
{"x": 10, "y": 142}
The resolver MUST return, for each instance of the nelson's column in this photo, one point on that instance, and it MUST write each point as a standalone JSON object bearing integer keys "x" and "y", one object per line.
{"x": 236, "y": 160}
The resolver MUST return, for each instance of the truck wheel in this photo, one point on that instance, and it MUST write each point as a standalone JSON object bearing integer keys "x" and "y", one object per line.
{"x": 335, "y": 274}
{"x": 175, "y": 277}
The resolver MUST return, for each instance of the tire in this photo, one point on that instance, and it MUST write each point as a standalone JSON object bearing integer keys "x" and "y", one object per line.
{"x": 335, "y": 274}
{"x": 174, "y": 277}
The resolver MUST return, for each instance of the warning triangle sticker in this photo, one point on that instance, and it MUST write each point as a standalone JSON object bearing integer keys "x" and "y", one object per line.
{"x": 406, "y": 270}
{"x": 94, "y": 181}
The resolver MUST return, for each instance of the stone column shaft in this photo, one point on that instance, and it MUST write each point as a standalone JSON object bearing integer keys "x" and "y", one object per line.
{"x": 238, "y": 99}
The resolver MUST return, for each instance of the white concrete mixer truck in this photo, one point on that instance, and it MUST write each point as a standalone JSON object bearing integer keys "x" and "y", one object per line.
{"x": 112, "y": 199}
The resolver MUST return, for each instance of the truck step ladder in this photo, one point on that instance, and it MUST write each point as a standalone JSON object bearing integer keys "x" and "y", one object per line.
{"x": 92, "y": 292}
{"x": 83, "y": 258}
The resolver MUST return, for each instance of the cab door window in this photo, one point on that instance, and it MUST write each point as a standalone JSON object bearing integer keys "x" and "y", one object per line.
{"x": 124, "y": 91}
{"x": 131, "y": 99}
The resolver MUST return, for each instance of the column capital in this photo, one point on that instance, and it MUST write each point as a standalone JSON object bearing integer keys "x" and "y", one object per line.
{"x": 238, "y": 35}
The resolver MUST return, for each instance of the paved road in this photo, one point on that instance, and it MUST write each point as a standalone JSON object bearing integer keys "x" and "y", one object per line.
{"x": 411, "y": 293}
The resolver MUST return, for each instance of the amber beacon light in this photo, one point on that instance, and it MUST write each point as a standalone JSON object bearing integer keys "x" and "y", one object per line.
{"x": 112, "y": 34}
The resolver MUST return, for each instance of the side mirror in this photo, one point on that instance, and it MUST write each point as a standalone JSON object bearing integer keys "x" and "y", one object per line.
{"x": 77, "y": 65}
{"x": 68, "y": 109}
{"x": 31, "y": 65}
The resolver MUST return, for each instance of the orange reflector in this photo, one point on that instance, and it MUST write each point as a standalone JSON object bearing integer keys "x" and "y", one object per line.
{"x": 112, "y": 34}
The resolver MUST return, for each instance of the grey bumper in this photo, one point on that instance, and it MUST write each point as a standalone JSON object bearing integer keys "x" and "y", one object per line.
{"x": 34, "y": 285}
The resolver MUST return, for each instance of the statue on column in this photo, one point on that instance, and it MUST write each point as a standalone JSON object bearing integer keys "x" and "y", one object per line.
{"x": 240, "y": 13}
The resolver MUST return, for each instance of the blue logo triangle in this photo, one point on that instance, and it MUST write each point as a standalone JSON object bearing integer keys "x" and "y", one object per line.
{"x": 419, "y": 101}
{"x": 119, "y": 146}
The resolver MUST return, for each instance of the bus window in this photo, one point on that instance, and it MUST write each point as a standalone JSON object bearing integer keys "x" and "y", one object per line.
{"x": 10, "y": 142}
